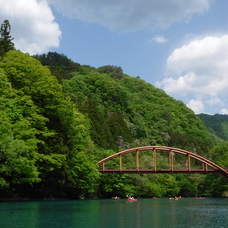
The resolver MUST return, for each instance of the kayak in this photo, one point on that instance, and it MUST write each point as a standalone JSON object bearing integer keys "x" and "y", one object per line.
{"x": 131, "y": 200}
{"x": 116, "y": 198}
{"x": 199, "y": 197}
{"x": 174, "y": 198}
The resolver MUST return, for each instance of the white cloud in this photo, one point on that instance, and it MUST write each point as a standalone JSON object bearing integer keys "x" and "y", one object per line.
{"x": 181, "y": 86}
{"x": 32, "y": 25}
{"x": 131, "y": 15}
{"x": 160, "y": 39}
{"x": 224, "y": 111}
{"x": 196, "y": 105}
{"x": 199, "y": 70}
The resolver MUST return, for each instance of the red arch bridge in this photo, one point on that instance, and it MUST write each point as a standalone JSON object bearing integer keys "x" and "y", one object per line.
{"x": 158, "y": 159}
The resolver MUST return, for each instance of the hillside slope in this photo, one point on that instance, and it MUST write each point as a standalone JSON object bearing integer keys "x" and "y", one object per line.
{"x": 128, "y": 112}
{"x": 216, "y": 124}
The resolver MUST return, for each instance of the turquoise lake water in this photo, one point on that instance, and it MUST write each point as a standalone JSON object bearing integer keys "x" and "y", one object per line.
{"x": 108, "y": 213}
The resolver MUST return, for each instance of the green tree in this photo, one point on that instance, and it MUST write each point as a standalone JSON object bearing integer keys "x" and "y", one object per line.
{"x": 18, "y": 143}
{"x": 113, "y": 71}
{"x": 219, "y": 154}
{"x": 217, "y": 184}
{"x": 61, "y": 66}
{"x": 60, "y": 131}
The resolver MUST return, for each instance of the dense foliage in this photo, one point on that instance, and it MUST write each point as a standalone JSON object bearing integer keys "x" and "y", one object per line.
{"x": 58, "y": 119}
{"x": 43, "y": 136}
{"x": 216, "y": 124}
{"x": 59, "y": 65}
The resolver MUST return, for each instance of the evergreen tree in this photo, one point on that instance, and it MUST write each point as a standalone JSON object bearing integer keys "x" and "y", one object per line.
{"x": 6, "y": 43}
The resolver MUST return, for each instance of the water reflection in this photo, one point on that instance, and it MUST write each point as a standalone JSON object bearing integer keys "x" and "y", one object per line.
{"x": 165, "y": 213}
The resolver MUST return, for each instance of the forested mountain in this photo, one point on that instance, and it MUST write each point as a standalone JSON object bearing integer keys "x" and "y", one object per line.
{"x": 216, "y": 124}
{"x": 60, "y": 118}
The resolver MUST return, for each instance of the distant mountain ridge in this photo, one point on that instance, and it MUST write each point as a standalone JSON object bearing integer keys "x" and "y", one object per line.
{"x": 216, "y": 124}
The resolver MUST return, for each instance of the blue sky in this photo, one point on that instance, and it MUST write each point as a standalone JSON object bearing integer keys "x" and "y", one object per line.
{"x": 180, "y": 46}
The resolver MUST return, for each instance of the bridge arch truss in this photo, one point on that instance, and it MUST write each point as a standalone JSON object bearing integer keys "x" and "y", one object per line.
{"x": 207, "y": 166}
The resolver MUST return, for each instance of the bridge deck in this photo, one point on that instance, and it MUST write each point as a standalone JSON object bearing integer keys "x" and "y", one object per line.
{"x": 159, "y": 171}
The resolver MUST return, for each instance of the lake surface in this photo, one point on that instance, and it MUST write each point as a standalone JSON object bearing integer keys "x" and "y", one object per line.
{"x": 108, "y": 213}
